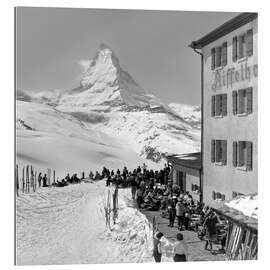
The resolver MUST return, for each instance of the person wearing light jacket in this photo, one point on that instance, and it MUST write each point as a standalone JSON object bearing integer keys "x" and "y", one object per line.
{"x": 180, "y": 249}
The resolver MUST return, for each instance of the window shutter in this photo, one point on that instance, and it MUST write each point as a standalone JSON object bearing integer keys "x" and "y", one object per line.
{"x": 249, "y": 155}
{"x": 213, "y": 60}
{"x": 234, "y": 102}
{"x": 213, "y": 111}
{"x": 213, "y": 151}
{"x": 223, "y": 197}
{"x": 241, "y": 100}
{"x": 224, "y": 104}
{"x": 218, "y": 56}
{"x": 214, "y": 195}
{"x": 242, "y": 40}
{"x": 224, "y": 152}
{"x": 234, "y": 49}
{"x": 224, "y": 54}
{"x": 249, "y": 42}
{"x": 249, "y": 100}
{"x": 218, "y": 108}
{"x": 234, "y": 154}
{"x": 240, "y": 154}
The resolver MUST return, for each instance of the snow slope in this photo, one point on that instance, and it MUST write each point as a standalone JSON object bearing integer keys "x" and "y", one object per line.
{"x": 109, "y": 103}
{"x": 47, "y": 138}
{"x": 152, "y": 127}
{"x": 191, "y": 114}
{"x": 67, "y": 226}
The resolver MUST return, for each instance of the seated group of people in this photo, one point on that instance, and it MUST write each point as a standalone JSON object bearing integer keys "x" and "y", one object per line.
{"x": 74, "y": 179}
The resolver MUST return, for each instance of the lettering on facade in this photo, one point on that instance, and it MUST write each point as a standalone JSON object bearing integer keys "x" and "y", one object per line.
{"x": 228, "y": 77}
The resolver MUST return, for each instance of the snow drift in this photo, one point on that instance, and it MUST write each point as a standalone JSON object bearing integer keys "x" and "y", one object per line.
{"x": 67, "y": 226}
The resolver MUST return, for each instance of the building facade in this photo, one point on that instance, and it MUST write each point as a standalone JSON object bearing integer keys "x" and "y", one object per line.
{"x": 229, "y": 109}
{"x": 186, "y": 173}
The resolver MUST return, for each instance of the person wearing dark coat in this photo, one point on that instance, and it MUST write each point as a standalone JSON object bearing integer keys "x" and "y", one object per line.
{"x": 157, "y": 247}
{"x": 39, "y": 179}
{"x": 44, "y": 180}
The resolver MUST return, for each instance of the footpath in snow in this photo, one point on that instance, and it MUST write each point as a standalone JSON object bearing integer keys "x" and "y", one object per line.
{"x": 67, "y": 226}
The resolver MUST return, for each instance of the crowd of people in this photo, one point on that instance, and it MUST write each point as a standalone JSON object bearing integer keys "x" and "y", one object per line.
{"x": 155, "y": 191}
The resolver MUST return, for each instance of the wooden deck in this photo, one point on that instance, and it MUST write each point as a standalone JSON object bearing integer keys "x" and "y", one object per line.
{"x": 195, "y": 245}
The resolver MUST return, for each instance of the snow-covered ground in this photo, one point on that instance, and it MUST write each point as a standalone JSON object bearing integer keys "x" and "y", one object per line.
{"x": 47, "y": 138}
{"x": 248, "y": 205}
{"x": 67, "y": 226}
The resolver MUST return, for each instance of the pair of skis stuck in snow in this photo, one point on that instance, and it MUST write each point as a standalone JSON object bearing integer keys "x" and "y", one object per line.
{"x": 111, "y": 207}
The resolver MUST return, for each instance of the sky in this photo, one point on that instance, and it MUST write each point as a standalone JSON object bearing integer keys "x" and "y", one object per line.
{"x": 53, "y": 45}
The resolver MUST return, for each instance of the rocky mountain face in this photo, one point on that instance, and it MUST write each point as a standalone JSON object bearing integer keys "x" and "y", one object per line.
{"x": 108, "y": 99}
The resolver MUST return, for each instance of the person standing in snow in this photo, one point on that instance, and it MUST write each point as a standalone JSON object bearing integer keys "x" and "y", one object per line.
{"x": 39, "y": 179}
{"x": 139, "y": 195}
{"x": 157, "y": 247}
{"x": 133, "y": 184}
{"x": 180, "y": 249}
{"x": 44, "y": 180}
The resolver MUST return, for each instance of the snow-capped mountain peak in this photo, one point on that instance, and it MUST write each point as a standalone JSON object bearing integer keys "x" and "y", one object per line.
{"x": 106, "y": 86}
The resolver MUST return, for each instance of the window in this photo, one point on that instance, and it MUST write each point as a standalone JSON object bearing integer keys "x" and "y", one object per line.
{"x": 242, "y": 154}
{"x": 242, "y": 101}
{"x": 217, "y": 196}
{"x": 219, "y": 56}
{"x": 219, "y": 152}
{"x": 219, "y": 105}
{"x": 243, "y": 45}
{"x": 195, "y": 188}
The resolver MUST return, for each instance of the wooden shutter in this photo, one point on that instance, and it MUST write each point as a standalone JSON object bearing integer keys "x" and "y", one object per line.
{"x": 249, "y": 42}
{"x": 234, "y": 48}
{"x": 241, "y": 100}
{"x": 213, "y": 108}
{"x": 241, "y": 47}
{"x": 223, "y": 197}
{"x": 249, "y": 155}
{"x": 224, "y": 104}
{"x": 234, "y": 154}
{"x": 240, "y": 160}
{"x": 214, "y": 195}
{"x": 218, "y": 103}
{"x": 213, "y": 60}
{"x": 218, "y": 56}
{"x": 249, "y": 100}
{"x": 213, "y": 151}
{"x": 224, "y": 54}
{"x": 234, "y": 94}
{"x": 224, "y": 152}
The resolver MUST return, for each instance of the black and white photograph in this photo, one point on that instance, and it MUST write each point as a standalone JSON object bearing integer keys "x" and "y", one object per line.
{"x": 136, "y": 136}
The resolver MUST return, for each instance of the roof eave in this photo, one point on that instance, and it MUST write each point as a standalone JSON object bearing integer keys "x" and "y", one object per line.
{"x": 224, "y": 29}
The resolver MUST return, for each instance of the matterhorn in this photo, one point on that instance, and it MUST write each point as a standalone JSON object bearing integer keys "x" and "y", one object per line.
{"x": 110, "y": 109}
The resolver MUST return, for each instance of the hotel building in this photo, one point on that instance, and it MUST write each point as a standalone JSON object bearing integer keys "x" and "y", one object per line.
{"x": 229, "y": 91}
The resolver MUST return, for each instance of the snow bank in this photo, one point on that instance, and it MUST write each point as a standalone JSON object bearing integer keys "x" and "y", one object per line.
{"x": 248, "y": 205}
{"x": 67, "y": 226}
